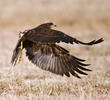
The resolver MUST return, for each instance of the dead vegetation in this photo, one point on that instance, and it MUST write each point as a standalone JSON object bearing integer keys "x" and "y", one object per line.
{"x": 85, "y": 20}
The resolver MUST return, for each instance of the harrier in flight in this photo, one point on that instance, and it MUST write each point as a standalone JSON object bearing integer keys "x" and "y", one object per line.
{"x": 42, "y": 50}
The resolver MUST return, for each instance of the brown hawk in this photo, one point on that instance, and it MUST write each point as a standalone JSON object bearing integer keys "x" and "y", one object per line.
{"x": 42, "y": 50}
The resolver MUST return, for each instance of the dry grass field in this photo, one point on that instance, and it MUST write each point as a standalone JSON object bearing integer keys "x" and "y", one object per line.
{"x": 84, "y": 19}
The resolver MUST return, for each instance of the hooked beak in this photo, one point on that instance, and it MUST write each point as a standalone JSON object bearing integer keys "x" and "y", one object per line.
{"x": 54, "y": 25}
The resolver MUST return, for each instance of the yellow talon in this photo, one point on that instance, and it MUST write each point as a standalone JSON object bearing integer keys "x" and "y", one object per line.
{"x": 21, "y": 48}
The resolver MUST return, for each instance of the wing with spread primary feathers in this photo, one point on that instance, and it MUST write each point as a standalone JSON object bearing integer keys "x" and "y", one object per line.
{"x": 54, "y": 36}
{"x": 55, "y": 59}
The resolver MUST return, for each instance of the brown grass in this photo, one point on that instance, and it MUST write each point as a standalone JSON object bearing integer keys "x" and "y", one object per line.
{"x": 85, "y": 20}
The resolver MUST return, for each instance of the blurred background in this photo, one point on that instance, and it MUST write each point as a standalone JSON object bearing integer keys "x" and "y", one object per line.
{"x": 84, "y": 19}
{"x": 87, "y": 14}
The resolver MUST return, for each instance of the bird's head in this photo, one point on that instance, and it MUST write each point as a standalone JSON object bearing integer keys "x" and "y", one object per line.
{"x": 48, "y": 25}
{"x": 52, "y": 24}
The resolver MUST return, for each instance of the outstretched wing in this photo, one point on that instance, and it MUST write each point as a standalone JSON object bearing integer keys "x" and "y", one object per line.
{"x": 54, "y": 36}
{"x": 55, "y": 59}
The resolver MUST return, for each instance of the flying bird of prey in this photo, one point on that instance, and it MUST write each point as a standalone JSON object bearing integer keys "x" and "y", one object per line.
{"x": 42, "y": 50}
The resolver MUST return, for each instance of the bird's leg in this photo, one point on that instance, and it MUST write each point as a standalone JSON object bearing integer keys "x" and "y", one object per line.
{"x": 21, "y": 48}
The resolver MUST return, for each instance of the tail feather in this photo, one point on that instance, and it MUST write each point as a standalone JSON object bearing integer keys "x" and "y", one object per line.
{"x": 16, "y": 54}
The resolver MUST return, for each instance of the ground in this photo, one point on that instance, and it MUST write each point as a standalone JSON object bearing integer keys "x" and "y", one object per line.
{"x": 84, "y": 20}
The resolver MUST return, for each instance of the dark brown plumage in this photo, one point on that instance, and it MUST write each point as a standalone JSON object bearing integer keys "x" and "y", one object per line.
{"x": 42, "y": 50}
